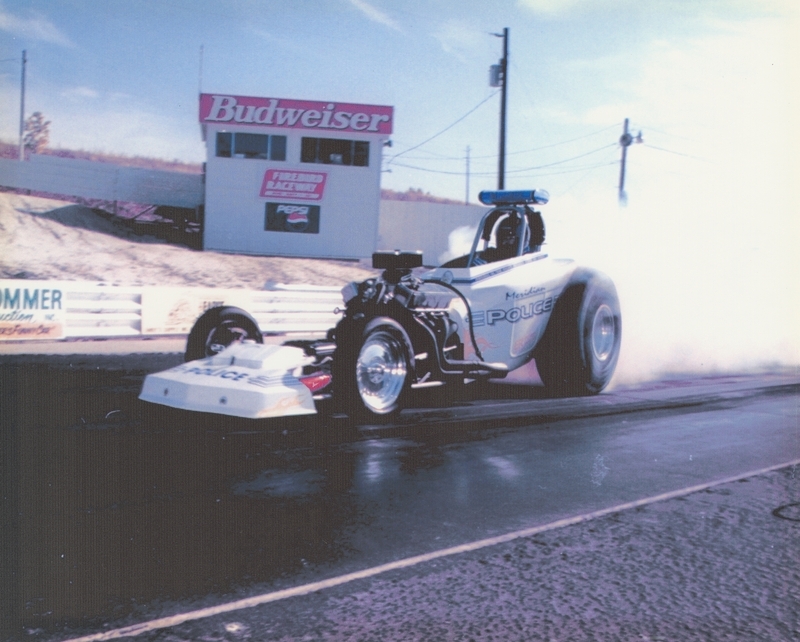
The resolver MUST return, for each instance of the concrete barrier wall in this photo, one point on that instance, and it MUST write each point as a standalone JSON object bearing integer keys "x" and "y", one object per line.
{"x": 45, "y": 310}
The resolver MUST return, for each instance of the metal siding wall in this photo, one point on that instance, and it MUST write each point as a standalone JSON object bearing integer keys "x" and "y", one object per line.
{"x": 90, "y": 179}
{"x": 413, "y": 225}
{"x": 235, "y": 211}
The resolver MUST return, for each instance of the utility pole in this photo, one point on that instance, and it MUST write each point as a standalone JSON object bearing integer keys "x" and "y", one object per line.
{"x": 466, "y": 194}
{"x": 22, "y": 110}
{"x": 503, "y": 79}
{"x": 625, "y": 141}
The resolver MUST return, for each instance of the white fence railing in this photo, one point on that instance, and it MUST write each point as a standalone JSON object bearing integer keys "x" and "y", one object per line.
{"x": 36, "y": 310}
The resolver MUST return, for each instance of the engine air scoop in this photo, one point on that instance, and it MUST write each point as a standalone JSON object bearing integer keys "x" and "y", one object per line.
{"x": 244, "y": 380}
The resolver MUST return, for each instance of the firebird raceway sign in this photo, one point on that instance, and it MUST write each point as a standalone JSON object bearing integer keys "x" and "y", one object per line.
{"x": 30, "y": 312}
{"x": 292, "y": 177}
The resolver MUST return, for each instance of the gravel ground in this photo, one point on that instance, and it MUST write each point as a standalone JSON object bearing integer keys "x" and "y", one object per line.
{"x": 47, "y": 239}
{"x": 717, "y": 565}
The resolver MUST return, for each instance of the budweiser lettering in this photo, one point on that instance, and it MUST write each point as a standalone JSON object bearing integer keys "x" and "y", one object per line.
{"x": 277, "y": 112}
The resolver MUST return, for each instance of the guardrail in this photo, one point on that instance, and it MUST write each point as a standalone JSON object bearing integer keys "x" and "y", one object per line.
{"x": 36, "y": 310}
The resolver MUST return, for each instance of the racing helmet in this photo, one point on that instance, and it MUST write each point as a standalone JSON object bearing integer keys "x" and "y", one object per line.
{"x": 507, "y": 237}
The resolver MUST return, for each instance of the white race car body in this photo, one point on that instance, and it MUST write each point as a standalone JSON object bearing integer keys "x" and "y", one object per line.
{"x": 478, "y": 316}
{"x": 510, "y": 301}
{"x": 250, "y": 380}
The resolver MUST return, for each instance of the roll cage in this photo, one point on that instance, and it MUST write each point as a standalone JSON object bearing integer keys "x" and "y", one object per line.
{"x": 530, "y": 230}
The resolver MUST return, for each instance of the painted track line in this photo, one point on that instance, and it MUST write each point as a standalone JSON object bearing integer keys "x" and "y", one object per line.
{"x": 305, "y": 589}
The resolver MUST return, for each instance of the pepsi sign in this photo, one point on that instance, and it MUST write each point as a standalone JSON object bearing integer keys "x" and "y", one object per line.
{"x": 292, "y": 217}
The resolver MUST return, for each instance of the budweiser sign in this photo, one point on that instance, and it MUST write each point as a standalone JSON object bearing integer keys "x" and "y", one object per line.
{"x": 295, "y": 114}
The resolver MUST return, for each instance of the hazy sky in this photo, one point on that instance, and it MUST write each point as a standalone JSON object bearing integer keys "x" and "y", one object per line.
{"x": 705, "y": 254}
{"x": 123, "y": 76}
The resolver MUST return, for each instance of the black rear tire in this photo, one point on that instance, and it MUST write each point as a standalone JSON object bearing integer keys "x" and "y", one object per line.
{"x": 218, "y": 328}
{"x": 579, "y": 351}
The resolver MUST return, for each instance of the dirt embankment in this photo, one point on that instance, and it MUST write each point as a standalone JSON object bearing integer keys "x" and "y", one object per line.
{"x": 49, "y": 239}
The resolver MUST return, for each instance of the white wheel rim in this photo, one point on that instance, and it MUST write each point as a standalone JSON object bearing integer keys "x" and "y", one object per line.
{"x": 603, "y": 333}
{"x": 229, "y": 333}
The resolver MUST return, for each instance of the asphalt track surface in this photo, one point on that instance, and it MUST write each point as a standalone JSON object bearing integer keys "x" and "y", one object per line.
{"x": 663, "y": 511}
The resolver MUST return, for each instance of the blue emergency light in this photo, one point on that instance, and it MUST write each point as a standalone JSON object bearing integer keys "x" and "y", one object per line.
{"x": 514, "y": 197}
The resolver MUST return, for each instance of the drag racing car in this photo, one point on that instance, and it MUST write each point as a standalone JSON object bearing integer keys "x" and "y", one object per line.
{"x": 478, "y": 316}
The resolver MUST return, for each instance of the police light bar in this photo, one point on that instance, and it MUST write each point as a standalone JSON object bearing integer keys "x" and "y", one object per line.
{"x": 514, "y": 197}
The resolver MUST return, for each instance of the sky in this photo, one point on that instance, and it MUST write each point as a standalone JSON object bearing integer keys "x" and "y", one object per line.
{"x": 708, "y": 235}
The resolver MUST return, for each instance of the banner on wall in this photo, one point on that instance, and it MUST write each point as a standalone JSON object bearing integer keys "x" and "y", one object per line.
{"x": 304, "y": 186}
{"x": 30, "y": 312}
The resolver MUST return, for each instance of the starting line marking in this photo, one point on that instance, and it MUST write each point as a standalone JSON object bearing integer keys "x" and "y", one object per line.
{"x": 305, "y": 589}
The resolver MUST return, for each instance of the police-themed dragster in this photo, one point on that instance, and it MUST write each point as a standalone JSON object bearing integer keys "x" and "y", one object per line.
{"x": 478, "y": 316}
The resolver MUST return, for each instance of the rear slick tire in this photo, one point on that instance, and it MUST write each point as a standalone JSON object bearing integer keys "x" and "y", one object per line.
{"x": 218, "y": 328}
{"x": 580, "y": 349}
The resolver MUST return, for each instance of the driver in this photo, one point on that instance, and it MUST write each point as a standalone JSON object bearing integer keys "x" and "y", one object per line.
{"x": 507, "y": 239}
{"x": 507, "y": 242}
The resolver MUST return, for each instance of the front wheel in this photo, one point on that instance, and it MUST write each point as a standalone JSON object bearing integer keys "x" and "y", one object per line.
{"x": 579, "y": 351}
{"x": 373, "y": 376}
{"x": 218, "y": 328}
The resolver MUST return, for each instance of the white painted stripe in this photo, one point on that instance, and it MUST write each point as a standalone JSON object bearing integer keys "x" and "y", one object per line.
{"x": 305, "y": 589}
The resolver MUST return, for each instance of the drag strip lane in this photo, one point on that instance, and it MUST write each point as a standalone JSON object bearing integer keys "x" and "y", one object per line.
{"x": 127, "y": 512}
{"x": 306, "y": 589}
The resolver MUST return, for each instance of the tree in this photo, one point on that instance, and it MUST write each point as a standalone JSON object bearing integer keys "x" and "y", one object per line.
{"x": 37, "y": 133}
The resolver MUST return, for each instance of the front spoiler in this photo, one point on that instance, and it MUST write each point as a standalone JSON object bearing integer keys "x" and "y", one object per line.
{"x": 248, "y": 380}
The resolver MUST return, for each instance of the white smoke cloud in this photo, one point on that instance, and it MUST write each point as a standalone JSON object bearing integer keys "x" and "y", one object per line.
{"x": 459, "y": 242}
{"x": 704, "y": 255}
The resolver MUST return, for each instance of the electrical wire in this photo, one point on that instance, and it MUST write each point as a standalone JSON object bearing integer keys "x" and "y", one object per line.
{"x": 511, "y": 171}
{"x": 461, "y": 173}
{"x": 450, "y": 126}
{"x": 524, "y": 151}
{"x": 588, "y": 168}
{"x": 566, "y": 160}
{"x": 659, "y": 131}
{"x": 669, "y": 151}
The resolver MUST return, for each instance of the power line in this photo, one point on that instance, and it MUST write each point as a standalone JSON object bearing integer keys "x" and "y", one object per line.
{"x": 564, "y": 142}
{"x": 660, "y": 131}
{"x": 461, "y": 173}
{"x": 524, "y": 151}
{"x": 582, "y": 168}
{"x": 669, "y": 151}
{"x": 566, "y": 160}
{"x": 450, "y": 126}
{"x": 512, "y": 171}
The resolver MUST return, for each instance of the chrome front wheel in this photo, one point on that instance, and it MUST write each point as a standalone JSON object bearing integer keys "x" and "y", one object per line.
{"x": 382, "y": 369}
